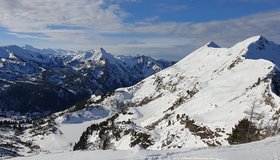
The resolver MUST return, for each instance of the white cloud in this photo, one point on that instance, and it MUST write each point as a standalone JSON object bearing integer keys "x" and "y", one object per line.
{"x": 225, "y": 33}
{"x": 79, "y": 24}
{"x": 37, "y": 16}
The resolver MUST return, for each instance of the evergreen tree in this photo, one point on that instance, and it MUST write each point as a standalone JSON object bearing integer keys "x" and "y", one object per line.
{"x": 245, "y": 131}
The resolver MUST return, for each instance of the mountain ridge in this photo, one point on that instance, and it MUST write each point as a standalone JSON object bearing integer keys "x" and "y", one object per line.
{"x": 208, "y": 82}
{"x": 66, "y": 74}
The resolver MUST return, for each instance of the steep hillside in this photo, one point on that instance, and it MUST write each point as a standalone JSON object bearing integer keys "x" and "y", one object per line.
{"x": 195, "y": 103}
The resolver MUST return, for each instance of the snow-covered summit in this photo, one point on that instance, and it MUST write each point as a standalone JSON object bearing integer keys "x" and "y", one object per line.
{"x": 251, "y": 40}
{"x": 93, "y": 55}
{"x": 212, "y": 44}
{"x": 258, "y": 47}
{"x": 29, "y": 53}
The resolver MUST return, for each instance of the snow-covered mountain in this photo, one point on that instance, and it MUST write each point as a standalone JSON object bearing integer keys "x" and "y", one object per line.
{"x": 51, "y": 80}
{"x": 194, "y": 103}
{"x": 209, "y": 98}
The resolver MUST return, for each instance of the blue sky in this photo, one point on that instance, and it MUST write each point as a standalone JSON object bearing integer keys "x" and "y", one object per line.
{"x": 168, "y": 29}
{"x": 196, "y": 10}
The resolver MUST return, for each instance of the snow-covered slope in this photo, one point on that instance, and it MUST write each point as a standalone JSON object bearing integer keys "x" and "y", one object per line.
{"x": 194, "y": 103}
{"x": 263, "y": 150}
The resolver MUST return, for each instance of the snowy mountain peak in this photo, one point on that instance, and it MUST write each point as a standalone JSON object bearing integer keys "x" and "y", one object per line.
{"x": 263, "y": 44}
{"x": 102, "y": 54}
{"x": 31, "y": 54}
{"x": 251, "y": 40}
{"x": 258, "y": 47}
{"x": 212, "y": 44}
{"x": 94, "y": 55}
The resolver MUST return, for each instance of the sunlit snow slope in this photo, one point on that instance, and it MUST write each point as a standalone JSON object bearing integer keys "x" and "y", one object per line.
{"x": 194, "y": 103}
{"x": 264, "y": 150}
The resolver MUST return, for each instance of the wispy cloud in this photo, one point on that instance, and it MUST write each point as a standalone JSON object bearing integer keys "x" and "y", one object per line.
{"x": 36, "y": 15}
{"x": 92, "y": 23}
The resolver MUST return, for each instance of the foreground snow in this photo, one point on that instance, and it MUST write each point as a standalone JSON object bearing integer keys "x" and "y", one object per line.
{"x": 267, "y": 149}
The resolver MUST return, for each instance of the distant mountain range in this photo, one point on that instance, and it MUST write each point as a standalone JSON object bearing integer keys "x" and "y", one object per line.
{"x": 47, "y": 80}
